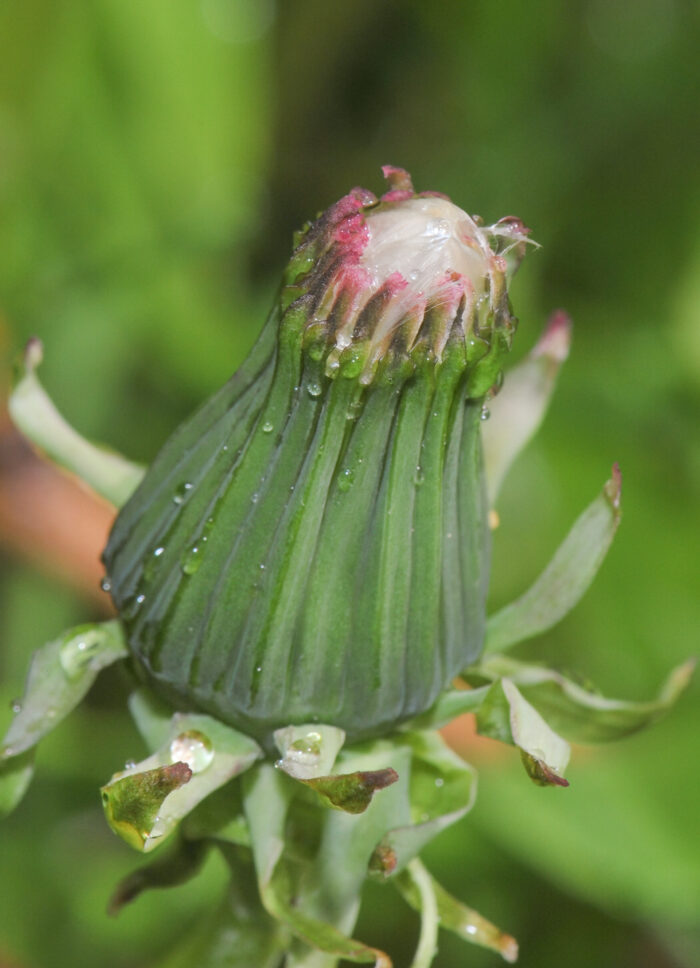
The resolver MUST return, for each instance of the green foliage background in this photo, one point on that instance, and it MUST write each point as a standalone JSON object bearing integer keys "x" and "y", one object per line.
{"x": 155, "y": 157}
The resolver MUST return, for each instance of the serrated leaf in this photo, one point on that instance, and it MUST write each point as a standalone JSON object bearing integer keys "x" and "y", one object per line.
{"x": 138, "y": 804}
{"x": 460, "y": 919}
{"x": 507, "y": 716}
{"x": 442, "y": 791}
{"x": 565, "y": 579}
{"x": 518, "y": 410}
{"x": 60, "y": 674}
{"x": 35, "y": 415}
{"x": 579, "y": 714}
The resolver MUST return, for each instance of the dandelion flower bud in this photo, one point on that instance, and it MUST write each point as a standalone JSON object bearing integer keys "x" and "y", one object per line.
{"x": 312, "y": 545}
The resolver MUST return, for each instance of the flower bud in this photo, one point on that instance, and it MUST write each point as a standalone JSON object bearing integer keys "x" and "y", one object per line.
{"x": 312, "y": 545}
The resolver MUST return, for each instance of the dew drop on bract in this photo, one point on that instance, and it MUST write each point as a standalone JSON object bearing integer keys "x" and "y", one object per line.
{"x": 106, "y": 584}
{"x": 419, "y": 476}
{"x": 485, "y": 413}
{"x": 267, "y": 427}
{"x": 77, "y": 652}
{"x": 182, "y": 492}
{"x": 192, "y": 559}
{"x": 345, "y": 479}
{"x": 16, "y": 706}
{"x": 193, "y": 748}
{"x": 313, "y": 389}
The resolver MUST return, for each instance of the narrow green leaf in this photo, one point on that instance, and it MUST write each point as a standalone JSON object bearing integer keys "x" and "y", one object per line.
{"x": 15, "y": 776}
{"x": 60, "y": 674}
{"x": 458, "y": 918}
{"x": 578, "y": 713}
{"x": 267, "y": 798}
{"x": 450, "y": 704}
{"x": 34, "y": 414}
{"x": 138, "y": 803}
{"x": 424, "y": 887}
{"x": 152, "y": 716}
{"x": 518, "y": 410}
{"x": 180, "y": 866}
{"x": 240, "y": 934}
{"x": 507, "y": 716}
{"x": 566, "y": 577}
{"x": 442, "y": 791}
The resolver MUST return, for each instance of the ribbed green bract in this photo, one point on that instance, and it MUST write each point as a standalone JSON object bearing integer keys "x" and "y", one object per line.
{"x": 310, "y": 545}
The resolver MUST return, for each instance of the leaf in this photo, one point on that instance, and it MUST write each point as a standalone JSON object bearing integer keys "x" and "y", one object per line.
{"x": 518, "y": 410}
{"x": 308, "y": 751}
{"x": 442, "y": 791}
{"x": 15, "y": 776}
{"x": 240, "y": 934}
{"x": 267, "y": 798}
{"x": 451, "y": 704}
{"x": 34, "y": 414}
{"x": 579, "y": 714}
{"x": 565, "y": 579}
{"x": 458, "y": 918}
{"x": 60, "y": 674}
{"x": 426, "y": 902}
{"x": 182, "y": 864}
{"x": 507, "y": 716}
{"x": 139, "y": 804}
{"x": 133, "y": 804}
{"x": 352, "y": 792}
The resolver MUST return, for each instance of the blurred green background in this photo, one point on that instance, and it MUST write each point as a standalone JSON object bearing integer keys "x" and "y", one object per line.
{"x": 155, "y": 157}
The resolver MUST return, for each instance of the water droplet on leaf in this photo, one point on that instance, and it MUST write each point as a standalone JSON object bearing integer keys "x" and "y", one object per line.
{"x": 182, "y": 492}
{"x": 345, "y": 479}
{"x": 193, "y": 748}
{"x": 76, "y": 654}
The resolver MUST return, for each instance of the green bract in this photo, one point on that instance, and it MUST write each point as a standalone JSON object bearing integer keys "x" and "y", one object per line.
{"x": 312, "y": 545}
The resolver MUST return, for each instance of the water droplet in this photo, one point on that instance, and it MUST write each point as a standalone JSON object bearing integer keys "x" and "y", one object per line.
{"x": 267, "y": 427}
{"x": 192, "y": 559}
{"x": 419, "y": 476}
{"x": 262, "y": 566}
{"x": 131, "y": 606}
{"x": 258, "y": 668}
{"x": 485, "y": 413}
{"x": 76, "y": 654}
{"x": 182, "y": 492}
{"x": 106, "y": 584}
{"x": 439, "y": 781}
{"x": 193, "y": 748}
{"x": 313, "y": 389}
{"x": 149, "y": 569}
{"x": 345, "y": 479}
{"x": 16, "y": 706}
{"x": 255, "y": 497}
{"x": 130, "y": 764}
